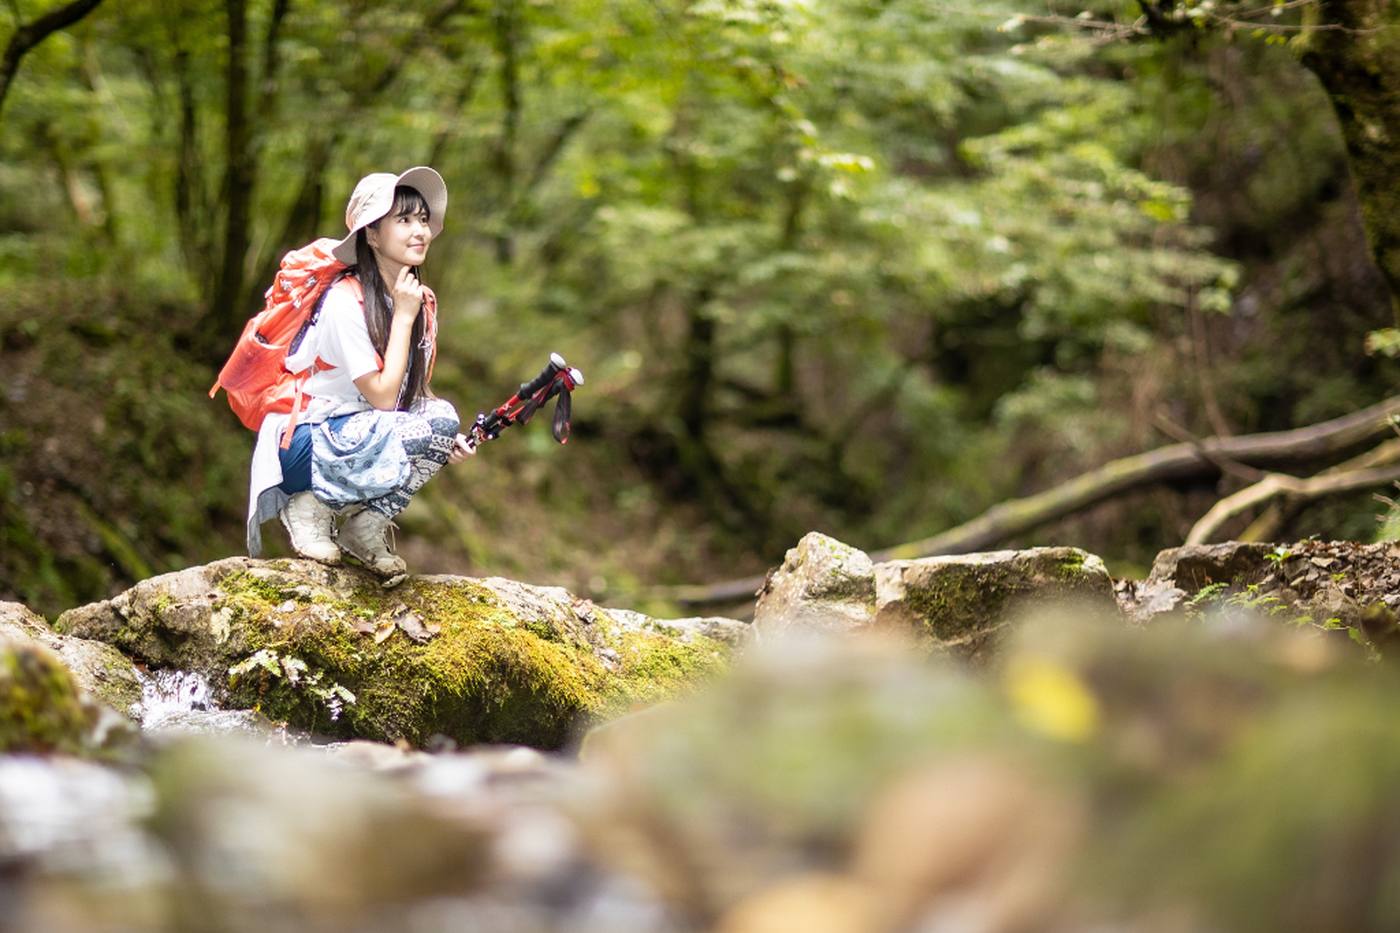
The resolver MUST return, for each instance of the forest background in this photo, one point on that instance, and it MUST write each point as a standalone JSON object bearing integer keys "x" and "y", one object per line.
{"x": 862, "y": 267}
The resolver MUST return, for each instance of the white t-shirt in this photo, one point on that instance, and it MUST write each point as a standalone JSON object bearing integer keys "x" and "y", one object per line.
{"x": 341, "y": 339}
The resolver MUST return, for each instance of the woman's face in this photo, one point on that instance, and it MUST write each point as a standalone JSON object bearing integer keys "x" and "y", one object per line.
{"x": 401, "y": 238}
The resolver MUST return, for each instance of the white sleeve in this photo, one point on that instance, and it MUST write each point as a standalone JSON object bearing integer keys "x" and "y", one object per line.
{"x": 343, "y": 340}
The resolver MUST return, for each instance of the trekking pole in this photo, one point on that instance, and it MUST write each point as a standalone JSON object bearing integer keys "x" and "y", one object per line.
{"x": 557, "y": 380}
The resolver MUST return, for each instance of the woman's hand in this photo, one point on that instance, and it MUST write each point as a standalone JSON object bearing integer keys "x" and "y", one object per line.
{"x": 461, "y": 450}
{"x": 407, "y": 295}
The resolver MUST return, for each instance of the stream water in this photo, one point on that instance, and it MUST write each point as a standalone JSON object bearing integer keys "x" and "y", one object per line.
{"x": 181, "y": 703}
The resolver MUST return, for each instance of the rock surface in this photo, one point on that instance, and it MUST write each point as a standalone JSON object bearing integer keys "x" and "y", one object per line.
{"x": 471, "y": 660}
{"x": 958, "y": 603}
{"x": 44, "y": 711}
{"x": 98, "y": 668}
{"x": 849, "y": 784}
{"x": 821, "y": 584}
{"x": 1336, "y": 586}
{"x": 963, "y": 602}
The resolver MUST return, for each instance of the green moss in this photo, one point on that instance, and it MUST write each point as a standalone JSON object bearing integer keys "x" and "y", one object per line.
{"x": 1071, "y": 566}
{"x": 259, "y": 589}
{"x": 656, "y": 665}
{"x": 40, "y": 707}
{"x": 483, "y": 678}
{"x": 116, "y": 685}
{"x": 957, "y": 600}
{"x": 336, "y": 663}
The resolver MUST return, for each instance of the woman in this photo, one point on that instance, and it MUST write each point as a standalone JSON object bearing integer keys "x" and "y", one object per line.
{"x": 373, "y": 433}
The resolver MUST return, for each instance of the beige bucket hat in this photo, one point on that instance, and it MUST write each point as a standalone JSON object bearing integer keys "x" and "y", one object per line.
{"x": 374, "y": 196}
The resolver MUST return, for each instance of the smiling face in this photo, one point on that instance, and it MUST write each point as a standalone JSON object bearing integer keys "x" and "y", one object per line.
{"x": 402, "y": 236}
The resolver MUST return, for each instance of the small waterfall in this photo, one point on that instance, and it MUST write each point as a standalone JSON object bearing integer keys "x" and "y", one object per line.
{"x": 182, "y": 703}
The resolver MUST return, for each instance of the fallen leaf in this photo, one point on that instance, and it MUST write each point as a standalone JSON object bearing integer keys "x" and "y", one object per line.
{"x": 413, "y": 626}
{"x": 383, "y": 631}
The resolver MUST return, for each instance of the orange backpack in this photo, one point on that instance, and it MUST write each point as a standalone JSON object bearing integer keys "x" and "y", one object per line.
{"x": 255, "y": 377}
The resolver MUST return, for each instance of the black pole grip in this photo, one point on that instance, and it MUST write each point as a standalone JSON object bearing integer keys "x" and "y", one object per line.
{"x": 527, "y": 389}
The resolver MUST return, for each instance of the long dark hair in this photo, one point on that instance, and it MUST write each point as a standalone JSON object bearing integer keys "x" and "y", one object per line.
{"x": 378, "y": 313}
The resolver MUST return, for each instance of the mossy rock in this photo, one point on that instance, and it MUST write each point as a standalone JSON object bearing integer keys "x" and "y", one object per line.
{"x": 474, "y": 660}
{"x": 962, "y": 603}
{"x": 101, "y": 670}
{"x": 41, "y": 707}
{"x": 957, "y": 604}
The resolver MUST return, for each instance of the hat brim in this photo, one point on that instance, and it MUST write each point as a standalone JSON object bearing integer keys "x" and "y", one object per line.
{"x": 425, "y": 181}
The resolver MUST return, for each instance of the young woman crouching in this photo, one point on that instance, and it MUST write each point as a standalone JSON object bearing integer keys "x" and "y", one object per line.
{"x": 372, "y": 433}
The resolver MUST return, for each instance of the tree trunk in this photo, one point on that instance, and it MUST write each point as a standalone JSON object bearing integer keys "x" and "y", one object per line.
{"x": 1356, "y": 55}
{"x": 506, "y": 22}
{"x": 226, "y": 310}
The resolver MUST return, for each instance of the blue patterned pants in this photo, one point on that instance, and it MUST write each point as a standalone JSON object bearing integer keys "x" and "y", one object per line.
{"x": 374, "y": 458}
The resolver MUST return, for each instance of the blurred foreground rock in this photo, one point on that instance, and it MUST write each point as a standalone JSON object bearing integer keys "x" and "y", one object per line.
{"x": 327, "y": 649}
{"x": 1191, "y": 775}
{"x": 44, "y": 711}
{"x": 231, "y": 836}
{"x": 98, "y": 668}
{"x": 842, "y": 786}
{"x": 957, "y": 604}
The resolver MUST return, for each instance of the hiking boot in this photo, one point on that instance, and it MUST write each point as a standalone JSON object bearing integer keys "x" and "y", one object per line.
{"x": 365, "y": 537}
{"x": 311, "y": 524}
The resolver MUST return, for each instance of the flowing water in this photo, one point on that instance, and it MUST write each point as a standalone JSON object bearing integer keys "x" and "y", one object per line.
{"x": 179, "y": 703}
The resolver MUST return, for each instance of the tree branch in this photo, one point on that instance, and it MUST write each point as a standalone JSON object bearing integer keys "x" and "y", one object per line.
{"x": 1279, "y": 485}
{"x": 29, "y": 35}
{"x": 1266, "y": 526}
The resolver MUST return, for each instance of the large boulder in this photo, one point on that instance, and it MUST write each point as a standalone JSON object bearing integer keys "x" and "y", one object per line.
{"x": 98, "y": 668}
{"x": 468, "y": 660}
{"x": 958, "y": 603}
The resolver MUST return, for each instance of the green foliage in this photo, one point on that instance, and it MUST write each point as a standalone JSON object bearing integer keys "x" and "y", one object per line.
{"x": 807, "y": 255}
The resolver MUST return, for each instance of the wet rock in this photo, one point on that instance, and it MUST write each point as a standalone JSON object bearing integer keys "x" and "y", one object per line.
{"x": 63, "y": 819}
{"x": 97, "y": 668}
{"x": 327, "y": 650}
{"x": 838, "y": 785}
{"x": 239, "y": 837}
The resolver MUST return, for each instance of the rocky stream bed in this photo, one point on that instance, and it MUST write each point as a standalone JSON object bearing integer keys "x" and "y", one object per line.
{"x": 992, "y": 742}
